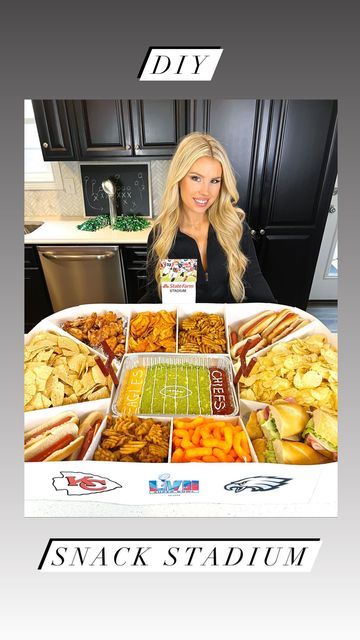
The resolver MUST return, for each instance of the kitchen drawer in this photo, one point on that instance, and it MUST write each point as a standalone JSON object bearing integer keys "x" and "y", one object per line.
{"x": 135, "y": 284}
{"x": 36, "y": 297}
{"x": 135, "y": 256}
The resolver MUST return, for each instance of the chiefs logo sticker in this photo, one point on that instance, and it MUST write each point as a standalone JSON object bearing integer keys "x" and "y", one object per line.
{"x": 77, "y": 483}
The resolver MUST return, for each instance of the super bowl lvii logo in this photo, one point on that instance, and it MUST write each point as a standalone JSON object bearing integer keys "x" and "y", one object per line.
{"x": 164, "y": 485}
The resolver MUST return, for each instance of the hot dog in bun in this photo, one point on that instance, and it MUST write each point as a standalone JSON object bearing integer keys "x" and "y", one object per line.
{"x": 253, "y": 344}
{"x": 55, "y": 439}
{"x": 88, "y": 430}
{"x": 263, "y": 330}
{"x": 256, "y": 325}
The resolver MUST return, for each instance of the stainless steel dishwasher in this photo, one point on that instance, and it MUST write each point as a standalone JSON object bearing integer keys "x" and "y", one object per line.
{"x": 82, "y": 274}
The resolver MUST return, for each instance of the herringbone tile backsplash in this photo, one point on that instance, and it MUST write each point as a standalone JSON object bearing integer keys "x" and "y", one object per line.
{"x": 68, "y": 202}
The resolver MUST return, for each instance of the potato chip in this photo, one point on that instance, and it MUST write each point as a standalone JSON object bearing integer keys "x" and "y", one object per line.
{"x": 322, "y": 393}
{"x": 312, "y": 379}
{"x": 329, "y": 356}
{"x": 153, "y": 331}
{"x": 304, "y": 369}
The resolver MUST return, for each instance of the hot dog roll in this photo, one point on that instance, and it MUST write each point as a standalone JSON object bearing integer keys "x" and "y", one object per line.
{"x": 88, "y": 429}
{"x": 61, "y": 418}
{"x": 257, "y": 324}
{"x": 53, "y": 443}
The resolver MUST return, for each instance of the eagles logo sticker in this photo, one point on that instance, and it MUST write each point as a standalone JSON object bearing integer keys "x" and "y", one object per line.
{"x": 257, "y": 483}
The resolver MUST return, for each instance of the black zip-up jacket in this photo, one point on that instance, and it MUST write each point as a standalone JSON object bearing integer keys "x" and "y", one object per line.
{"x": 213, "y": 286}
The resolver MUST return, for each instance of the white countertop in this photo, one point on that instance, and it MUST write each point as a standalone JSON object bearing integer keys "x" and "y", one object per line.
{"x": 66, "y": 232}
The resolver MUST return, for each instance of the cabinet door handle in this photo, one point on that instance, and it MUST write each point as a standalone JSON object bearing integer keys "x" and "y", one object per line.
{"x": 128, "y": 146}
{"x": 137, "y": 146}
{"x": 45, "y": 145}
{"x": 262, "y": 232}
{"x": 253, "y": 233}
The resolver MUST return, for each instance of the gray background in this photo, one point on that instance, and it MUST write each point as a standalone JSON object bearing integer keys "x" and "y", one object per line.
{"x": 273, "y": 49}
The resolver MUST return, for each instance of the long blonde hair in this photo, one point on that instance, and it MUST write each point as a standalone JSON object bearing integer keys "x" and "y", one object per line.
{"x": 224, "y": 216}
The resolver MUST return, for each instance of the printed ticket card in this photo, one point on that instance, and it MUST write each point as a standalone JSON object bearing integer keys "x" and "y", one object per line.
{"x": 178, "y": 280}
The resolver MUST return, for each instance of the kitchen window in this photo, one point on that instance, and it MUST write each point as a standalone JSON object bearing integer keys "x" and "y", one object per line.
{"x": 38, "y": 174}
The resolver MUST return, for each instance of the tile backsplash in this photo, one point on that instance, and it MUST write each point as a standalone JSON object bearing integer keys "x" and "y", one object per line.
{"x": 68, "y": 202}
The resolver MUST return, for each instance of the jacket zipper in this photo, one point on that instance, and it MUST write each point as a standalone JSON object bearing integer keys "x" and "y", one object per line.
{"x": 206, "y": 276}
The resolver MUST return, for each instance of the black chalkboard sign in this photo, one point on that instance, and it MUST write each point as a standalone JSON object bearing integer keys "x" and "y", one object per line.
{"x": 132, "y": 188}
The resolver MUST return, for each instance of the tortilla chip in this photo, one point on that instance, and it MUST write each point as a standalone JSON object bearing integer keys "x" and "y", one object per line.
{"x": 83, "y": 349}
{"x": 88, "y": 381}
{"x": 68, "y": 344}
{"x": 77, "y": 362}
{"x": 72, "y": 399}
{"x": 57, "y": 394}
{"x": 99, "y": 394}
{"x": 98, "y": 376}
{"x": 37, "y": 402}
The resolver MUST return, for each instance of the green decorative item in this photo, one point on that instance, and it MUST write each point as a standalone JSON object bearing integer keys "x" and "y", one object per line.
{"x": 123, "y": 223}
{"x": 93, "y": 224}
{"x": 130, "y": 223}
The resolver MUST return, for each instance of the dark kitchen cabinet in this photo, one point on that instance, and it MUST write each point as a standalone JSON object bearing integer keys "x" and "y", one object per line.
{"x": 103, "y": 129}
{"x": 53, "y": 124}
{"x": 235, "y": 124}
{"x": 134, "y": 259}
{"x": 110, "y": 129}
{"x": 158, "y": 126}
{"x": 297, "y": 173}
{"x": 285, "y": 160}
{"x": 37, "y": 301}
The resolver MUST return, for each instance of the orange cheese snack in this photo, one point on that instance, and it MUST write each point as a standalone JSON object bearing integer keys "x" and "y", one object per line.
{"x": 209, "y": 440}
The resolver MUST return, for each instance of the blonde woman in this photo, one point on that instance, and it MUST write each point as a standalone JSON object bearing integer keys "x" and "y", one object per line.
{"x": 199, "y": 219}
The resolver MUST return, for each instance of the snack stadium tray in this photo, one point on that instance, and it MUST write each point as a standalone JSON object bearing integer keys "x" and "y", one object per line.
{"x": 180, "y": 398}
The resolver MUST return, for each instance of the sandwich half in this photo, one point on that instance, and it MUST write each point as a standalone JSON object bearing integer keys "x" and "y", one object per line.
{"x": 287, "y": 452}
{"x": 321, "y": 433}
{"x": 287, "y": 420}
